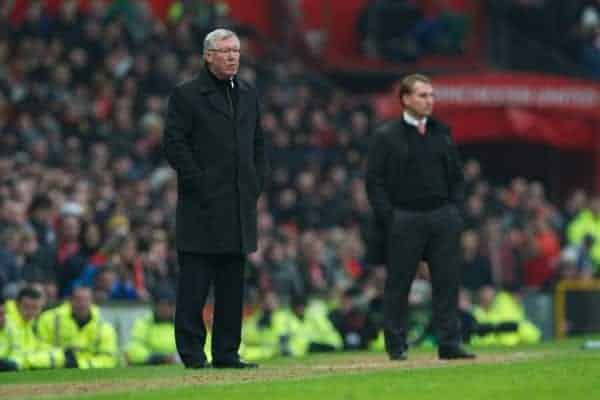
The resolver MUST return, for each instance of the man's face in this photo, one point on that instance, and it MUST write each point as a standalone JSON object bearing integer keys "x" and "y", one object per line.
{"x": 71, "y": 228}
{"x": 486, "y": 296}
{"x": 224, "y": 59}
{"x": 420, "y": 101}
{"x": 81, "y": 301}
{"x": 30, "y": 308}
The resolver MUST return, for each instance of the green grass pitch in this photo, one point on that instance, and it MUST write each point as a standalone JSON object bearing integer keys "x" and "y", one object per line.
{"x": 553, "y": 370}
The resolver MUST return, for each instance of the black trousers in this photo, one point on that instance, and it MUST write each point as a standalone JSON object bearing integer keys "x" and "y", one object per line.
{"x": 197, "y": 272}
{"x": 413, "y": 236}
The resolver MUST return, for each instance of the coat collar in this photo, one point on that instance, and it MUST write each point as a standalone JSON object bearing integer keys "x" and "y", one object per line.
{"x": 207, "y": 87}
{"x": 409, "y": 119}
{"x": 206, "y": 84}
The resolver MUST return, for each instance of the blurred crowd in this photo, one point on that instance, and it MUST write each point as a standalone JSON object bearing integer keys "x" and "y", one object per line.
{"x": 563, "y": 33}
{"x": 588, "y": 30}
{"x": 404, "y": 30}
{"x": 86, "y": 198}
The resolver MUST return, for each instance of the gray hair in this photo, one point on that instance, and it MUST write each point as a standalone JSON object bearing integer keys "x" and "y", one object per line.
{"x": 211, "y": 39}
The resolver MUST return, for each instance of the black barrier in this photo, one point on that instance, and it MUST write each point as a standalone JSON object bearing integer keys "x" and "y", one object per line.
{"x": 576, "y": 307}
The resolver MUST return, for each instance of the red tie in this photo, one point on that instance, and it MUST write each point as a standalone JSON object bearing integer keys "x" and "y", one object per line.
{"x": 421, "y": 127}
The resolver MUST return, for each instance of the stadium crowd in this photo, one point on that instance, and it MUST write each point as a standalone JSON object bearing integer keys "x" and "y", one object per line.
{"x": 564, "y": 33}
{"x": 87, "y": 202}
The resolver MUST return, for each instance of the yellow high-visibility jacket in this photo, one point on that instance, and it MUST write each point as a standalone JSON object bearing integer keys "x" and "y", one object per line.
{"x": 506, "y": 308}
{"x": 287, "y": 334}
{"x": 149, "y": 338}
{"x": 94, "y": 344}
{"x": 263, "y": 342}
{"x": 24, "y": 346}
{"x": 586, "y": 223}
{"x": 10, "y": 349}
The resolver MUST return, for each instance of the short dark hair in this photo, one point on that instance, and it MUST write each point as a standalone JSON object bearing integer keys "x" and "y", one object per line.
{"x": 30, "y": 293}
{"x": 85, "y": 287}
{"x": 40, "y": 202}
{"x": 408, "y": 82}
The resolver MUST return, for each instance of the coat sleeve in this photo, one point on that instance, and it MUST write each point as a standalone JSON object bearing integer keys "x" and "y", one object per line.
{"x": 260, "y": 156}
{"x": 375, "y": 178}
{"x": 45, "y": 327}
{"x": 456, "y": 181}
{"x": 175, "y": 144}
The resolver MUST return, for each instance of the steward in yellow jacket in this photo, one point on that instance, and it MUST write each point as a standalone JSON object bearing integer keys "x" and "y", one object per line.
{"x": 153, "y": 336}
{"x": 318, "y": 328}
{"x": 9, "y": 348}
{"x": 20, "y": 348}
{"x": 501, "y": 308}
{"x": 76, "y": 327}
{"x": 277, "y": 331}
{"x": 587, "y": 223}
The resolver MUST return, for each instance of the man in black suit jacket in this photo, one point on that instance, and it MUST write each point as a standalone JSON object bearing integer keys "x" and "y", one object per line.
{"x": 414, "y": 179}
{"x": 214, "y": 141}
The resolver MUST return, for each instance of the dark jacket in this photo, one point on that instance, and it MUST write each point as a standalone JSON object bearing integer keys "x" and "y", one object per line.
{"x": 386, "y": 178}
{"x": 219, "y": 156}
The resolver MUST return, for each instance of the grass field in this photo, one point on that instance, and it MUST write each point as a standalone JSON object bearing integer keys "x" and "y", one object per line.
{"x": 553, "y": 370}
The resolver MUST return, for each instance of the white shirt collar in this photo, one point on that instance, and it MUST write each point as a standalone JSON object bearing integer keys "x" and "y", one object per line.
{"x": 409, "y": 119}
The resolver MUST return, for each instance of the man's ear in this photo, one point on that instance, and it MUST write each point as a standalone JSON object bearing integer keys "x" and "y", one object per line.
{"x": 402, "y": 100}
{"x": 402, "y": 97}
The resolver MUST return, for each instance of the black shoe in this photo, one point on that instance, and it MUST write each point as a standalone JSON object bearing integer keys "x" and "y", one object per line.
{"x": 234, "y": 364}
{"x": 198, "y": 365}
{"x": 398, "y": 356}
{"x": 454, "y": 353}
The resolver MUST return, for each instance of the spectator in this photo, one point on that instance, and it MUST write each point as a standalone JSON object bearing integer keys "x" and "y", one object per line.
{"x": 543, "y": 246}
{"x": 70, "y": 260}
{"x": 354, "y": 324}
{"x": 76, "y": 327}
{"x": 9, "y": 351}
{"x": 28, "y": 351}
{"x": 152, "y": 336}
{"x": 589, "y": 29}
{"x": 587, "y": 222}
{"x": 476, "y": 269}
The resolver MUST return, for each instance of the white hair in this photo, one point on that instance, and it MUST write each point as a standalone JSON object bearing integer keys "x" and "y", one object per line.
{"x": 211, "y": 39}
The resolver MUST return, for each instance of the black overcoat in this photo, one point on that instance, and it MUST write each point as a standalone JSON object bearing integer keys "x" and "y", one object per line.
{"x": 219, "y": 156}
{"x": 386, "y": 166}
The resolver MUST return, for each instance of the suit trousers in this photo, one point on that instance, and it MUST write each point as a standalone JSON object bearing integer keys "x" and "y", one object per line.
{"x": 197, "y": 272}
{"x": 413, "y": 236}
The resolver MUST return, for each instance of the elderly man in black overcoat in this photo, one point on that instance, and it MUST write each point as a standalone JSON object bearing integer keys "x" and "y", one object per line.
{"x": 214, "y": 141}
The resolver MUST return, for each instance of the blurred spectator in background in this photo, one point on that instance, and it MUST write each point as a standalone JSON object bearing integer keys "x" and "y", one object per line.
{"x": 543, "y": 245}
{"x": 77, "y": 327}
{"x": 9, "y": 349}
{"x": 152, "y": 336}
{"x": 354, "y": 323}
{"x": 266, "y": 333}
{"x": 403, "y": 30}
{"x": 476, "y": 268}
{"x": 589, "y": 32}
{"x": 587, "y": 223}
{"x": 503, "y": 310}
{"x": 27, "y": 350}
